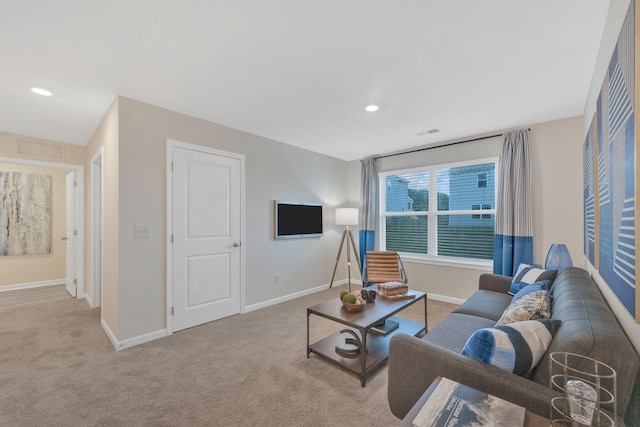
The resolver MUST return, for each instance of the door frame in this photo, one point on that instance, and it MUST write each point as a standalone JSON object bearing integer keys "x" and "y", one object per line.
{"x": 171, "y": 144}
{"x": 79, "y": 249}
{"x": 97, "y": 231}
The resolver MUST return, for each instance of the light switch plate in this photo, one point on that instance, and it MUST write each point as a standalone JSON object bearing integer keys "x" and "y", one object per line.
{"x": 141, "y": 231}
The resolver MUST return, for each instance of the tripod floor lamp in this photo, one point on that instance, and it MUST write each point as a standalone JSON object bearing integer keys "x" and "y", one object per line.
{"x": 346, "y": 217}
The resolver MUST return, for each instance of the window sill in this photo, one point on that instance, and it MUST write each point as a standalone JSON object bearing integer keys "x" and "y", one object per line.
{"x": 448, "y": 262}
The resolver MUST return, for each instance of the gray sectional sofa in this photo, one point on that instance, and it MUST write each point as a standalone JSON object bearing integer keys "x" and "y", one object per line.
{"x": 588, "y": 327}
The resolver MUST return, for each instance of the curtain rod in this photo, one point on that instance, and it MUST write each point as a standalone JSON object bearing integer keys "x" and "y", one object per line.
{"x": 440, "y": 146}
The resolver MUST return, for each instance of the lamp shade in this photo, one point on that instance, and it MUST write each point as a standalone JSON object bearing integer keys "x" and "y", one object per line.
{"x": 346, "y": 216}
{"x": 558, "y": 257}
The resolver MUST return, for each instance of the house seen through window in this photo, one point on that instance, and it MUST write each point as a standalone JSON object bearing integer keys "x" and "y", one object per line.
{"x": 440, "y": 211}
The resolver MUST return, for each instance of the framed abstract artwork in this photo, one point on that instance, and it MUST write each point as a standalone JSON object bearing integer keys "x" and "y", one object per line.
{"x": 610, "y": 172}
{"x": 25, "y": 213}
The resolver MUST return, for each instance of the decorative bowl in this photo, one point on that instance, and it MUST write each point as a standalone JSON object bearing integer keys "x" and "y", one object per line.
{"x": 353, "y": 307}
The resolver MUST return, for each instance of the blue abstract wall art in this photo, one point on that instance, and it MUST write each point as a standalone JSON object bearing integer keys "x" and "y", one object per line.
{"x": 610, "y": 182}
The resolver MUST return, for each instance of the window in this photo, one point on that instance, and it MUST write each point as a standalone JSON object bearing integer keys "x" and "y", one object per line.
{"x": 475, "y": 208}
{"x": 482, "y": 180}
{"x": 440, "y": 211}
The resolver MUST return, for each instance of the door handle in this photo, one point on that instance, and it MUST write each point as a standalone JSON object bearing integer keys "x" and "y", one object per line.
{"x": 236, "y": 244}
{"x": 63, "y": 238}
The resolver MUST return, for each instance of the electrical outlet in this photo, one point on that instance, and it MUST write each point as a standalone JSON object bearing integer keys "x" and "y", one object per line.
{"x": 276, "y": 278}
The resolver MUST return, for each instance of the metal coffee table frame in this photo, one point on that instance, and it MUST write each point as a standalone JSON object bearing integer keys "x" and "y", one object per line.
{"x": 377, "y": 346}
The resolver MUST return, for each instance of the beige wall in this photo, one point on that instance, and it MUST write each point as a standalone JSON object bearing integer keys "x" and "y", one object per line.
{"x": 31, "y": 269}
{"x": 556, "y": 154}
{"x": 105, "y": 136}
{"x": 273, "y": 171}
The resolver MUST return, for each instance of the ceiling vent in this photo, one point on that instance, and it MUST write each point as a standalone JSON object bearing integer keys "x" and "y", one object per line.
{"x": 428, "y": 132}
{"x": 48, "y": 150}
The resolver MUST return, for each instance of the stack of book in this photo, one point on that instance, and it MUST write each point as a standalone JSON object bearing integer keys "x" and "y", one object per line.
{"x": 395, "y": 291}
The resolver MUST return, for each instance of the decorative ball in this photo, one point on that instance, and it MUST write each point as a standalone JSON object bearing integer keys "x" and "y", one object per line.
{"x": 349, "y": 298}
{"x": 343, "y": 293}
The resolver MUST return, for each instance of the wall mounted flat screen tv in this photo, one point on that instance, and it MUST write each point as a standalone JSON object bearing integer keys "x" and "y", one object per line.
{"x": 295, "y": 220}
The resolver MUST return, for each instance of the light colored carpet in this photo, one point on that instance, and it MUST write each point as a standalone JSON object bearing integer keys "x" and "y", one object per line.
{"x": 245, "y": 370}
{"x": 20, "y": 297}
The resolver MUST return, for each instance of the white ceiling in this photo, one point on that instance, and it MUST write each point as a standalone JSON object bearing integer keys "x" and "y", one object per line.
{"x": 301, "y": 71}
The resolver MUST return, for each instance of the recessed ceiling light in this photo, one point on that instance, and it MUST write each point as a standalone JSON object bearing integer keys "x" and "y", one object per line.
{"x": 41, "y": 91}
{"x": 372, "y": 108}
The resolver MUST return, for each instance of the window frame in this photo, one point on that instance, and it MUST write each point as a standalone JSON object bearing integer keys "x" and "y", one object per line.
{"x": 433, "y": 213}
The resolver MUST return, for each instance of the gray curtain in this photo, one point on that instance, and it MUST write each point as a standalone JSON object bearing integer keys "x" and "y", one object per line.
{"x": 513, "y": 241}
{"x": 368, "y": 203}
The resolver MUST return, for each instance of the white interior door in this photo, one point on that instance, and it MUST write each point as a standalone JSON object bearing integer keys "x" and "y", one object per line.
{"x": 71, "y": 235}
{"x": 206, "y": 227}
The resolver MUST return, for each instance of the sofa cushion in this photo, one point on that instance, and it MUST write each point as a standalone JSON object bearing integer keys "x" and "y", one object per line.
{"x": 528, "y": 274}
{"x": 487, "y": 304}
{"x": 534, "y": 305}
{"x": 516, "y": 348}
{"x": 545, "y": 285}
{"x": 454, "y": 330}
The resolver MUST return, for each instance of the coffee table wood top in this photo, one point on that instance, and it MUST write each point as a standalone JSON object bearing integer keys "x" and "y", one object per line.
{"x": 370, "y": 314}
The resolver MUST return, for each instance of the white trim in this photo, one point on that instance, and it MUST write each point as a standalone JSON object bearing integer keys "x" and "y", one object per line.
{"x": 171, "y": 143}
{"x": 79, "y": 210}
{"x": 89, "y": 301}
{"x": 97, "y": 230}
{"x": 29, "y": 285}
{"x": 444, "y": 298}
{"x": 493, "y": 159}
{"x": 79, "y": 243}
{"x": 110, "y": 335}
{"x": 55, "y": 165}
{"x": 169, "y": 235}
{"x": 294, "y": 295}
{"x": 132, "y": 342}
{"x": 467, "y": 263}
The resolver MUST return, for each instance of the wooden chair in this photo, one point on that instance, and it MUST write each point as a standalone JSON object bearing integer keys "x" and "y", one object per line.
{"x": 383, "y": 266}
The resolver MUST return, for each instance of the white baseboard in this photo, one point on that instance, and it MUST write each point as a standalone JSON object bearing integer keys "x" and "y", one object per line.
{"x": 252, "y": 307}
{"x": 295, "y": 295}
{"x": 89, "y": 301}
{"x": 41, "y": 284}
{"x": 444, "y": 298}
{"x": 131, "y": 342}
{"x": 110, "y": 335}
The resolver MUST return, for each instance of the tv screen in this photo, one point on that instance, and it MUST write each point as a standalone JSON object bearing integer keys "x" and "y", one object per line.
{"x": 297, "y": 220}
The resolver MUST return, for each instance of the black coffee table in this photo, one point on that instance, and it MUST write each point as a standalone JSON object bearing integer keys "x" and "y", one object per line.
{"x": 360, "y": 323}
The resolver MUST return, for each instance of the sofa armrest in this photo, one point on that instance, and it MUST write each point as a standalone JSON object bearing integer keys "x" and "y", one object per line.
{"x": 494, "y": 282}
{"x": 414, "y": 364}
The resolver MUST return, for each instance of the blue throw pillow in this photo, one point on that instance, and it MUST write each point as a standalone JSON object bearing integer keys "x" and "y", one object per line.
{"x": 528, "y": 274}
{"x": 545, "y": 285}
{"x": 517, "y": 347}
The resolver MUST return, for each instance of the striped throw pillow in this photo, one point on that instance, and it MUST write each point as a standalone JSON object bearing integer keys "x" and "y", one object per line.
{"x": 516, "y": 348}
{"x": 528, "y": 274}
